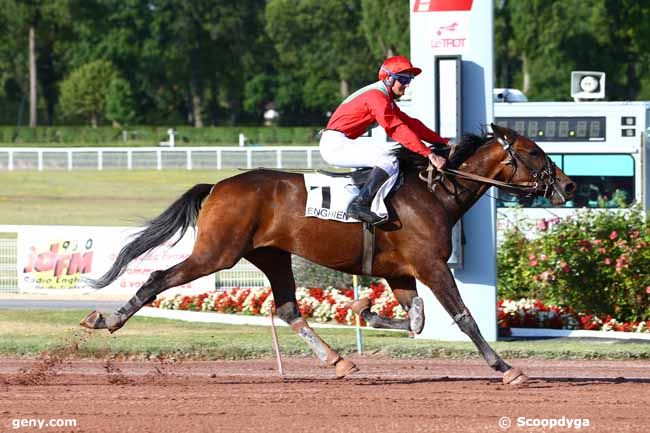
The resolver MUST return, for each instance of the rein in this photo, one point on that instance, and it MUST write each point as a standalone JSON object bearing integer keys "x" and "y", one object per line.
{"x": 430, "y": 179}
{"x": 546, "y": 176}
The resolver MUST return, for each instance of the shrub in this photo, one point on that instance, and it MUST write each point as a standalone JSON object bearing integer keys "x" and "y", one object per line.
{"x": 597, "y": 261}
{"x": 309, "y": 274}
{"x": 151, "y": 135}
{"x": 83, "y": 92}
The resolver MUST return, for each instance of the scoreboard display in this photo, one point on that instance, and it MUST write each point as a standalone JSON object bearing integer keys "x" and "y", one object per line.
{"x": 556, "y": 128}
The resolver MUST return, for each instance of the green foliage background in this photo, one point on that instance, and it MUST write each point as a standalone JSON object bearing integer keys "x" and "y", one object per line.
{"x": 215, "y": 62}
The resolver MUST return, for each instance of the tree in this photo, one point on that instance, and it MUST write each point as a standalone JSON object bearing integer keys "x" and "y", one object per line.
{"x": 550, "y": 38}
{"x": 120, "y": 106}
{"x": 322, "y": 54}
{"x": 85, "y": 90}
{"x": 33, "y": 26}
{"x": 385, "y": 24}
{"x": 506, "y": 58}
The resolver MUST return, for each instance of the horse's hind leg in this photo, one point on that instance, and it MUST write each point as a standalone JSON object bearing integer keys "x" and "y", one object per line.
{"x": 439, "y": 279}
{"x": 159, "y": 281}
{"x": 407, "y": 295}
{"x": 276, "y": 265}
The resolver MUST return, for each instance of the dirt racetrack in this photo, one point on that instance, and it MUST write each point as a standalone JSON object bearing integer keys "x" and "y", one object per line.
{"x": 387, "y": 395}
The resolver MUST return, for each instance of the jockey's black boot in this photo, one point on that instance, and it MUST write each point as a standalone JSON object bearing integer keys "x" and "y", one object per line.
{"x": 359, "y": 208}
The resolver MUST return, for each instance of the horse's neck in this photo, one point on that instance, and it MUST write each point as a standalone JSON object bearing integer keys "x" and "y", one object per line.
{"x": 459, "y": 195}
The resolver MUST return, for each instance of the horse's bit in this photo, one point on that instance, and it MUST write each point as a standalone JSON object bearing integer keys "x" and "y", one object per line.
{"x": 544, "y": 181}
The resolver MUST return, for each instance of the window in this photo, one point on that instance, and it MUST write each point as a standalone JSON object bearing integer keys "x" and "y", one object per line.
{"x": 602, "y": 181}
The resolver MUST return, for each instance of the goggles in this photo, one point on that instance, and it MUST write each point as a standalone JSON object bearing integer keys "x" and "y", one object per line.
{"x": 403, "y": 79}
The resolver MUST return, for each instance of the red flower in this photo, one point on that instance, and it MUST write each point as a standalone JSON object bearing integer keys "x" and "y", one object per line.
{"x": 613, "y": 235}
{"x": 317, "y": 293}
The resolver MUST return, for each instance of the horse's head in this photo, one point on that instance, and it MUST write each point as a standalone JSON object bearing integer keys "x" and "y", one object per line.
{"x": 527, "y": 163}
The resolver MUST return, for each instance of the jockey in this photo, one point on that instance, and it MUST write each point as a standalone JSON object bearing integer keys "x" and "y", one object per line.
{"x": 357, "y": 113}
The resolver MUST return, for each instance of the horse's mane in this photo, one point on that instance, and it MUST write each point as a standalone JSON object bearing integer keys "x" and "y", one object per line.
{"x": 411, "y": 161}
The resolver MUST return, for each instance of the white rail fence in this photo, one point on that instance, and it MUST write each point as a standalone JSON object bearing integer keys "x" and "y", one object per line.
{"x": 154, "y": 158}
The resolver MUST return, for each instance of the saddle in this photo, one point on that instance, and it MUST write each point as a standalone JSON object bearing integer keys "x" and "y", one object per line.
{"x": 360, "y": 176}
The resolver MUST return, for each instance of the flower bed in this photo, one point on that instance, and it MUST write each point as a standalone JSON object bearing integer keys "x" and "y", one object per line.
{"x": 532, "y": 313}
{"x": 326, "y": 305}
{"x": 322, "y": 305}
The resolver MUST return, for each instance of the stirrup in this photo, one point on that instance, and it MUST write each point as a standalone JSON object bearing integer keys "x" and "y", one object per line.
{"x": 364, "y": 215}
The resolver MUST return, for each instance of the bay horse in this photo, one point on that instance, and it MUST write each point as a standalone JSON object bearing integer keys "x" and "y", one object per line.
{"x": 259, "y": 215}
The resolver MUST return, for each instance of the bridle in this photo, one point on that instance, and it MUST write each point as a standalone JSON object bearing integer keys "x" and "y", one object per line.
{"x": 543, "y": 182}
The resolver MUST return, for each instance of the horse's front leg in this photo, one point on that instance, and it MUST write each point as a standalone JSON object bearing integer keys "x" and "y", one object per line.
{"x": 438, "y": 277}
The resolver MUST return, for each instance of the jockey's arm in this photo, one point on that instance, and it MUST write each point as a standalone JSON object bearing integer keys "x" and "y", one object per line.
{"x": 386, "y": 114}
{"x": 421, "y": 130}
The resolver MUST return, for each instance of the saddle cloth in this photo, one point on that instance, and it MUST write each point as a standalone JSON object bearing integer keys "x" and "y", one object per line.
{"x": 328, "y": 197}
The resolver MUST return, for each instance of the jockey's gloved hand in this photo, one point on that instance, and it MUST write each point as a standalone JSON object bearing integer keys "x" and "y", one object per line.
{"x": 437, "y": 161}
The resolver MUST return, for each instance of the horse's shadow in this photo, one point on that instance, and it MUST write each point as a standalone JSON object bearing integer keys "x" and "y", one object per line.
{"x": 534, "y": 382}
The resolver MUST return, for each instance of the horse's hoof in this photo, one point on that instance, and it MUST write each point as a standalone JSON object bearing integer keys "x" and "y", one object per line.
{"x": 345, "y": 367}
{"x": 113, "y": 323}
{"x": 514, "y": 376}
{"x": 94, "y": 320}
{"x": 416, "y": 315}
{"x": 358, "y": 305}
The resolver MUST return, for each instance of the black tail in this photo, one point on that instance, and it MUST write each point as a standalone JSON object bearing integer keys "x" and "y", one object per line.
{"x": 180, "y": 215}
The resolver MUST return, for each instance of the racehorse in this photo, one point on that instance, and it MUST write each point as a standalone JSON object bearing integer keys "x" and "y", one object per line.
{"x": 259, "y": 215}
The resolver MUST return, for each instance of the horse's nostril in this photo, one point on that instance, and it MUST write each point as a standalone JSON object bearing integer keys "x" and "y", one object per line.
{"x": 570, "y": 188}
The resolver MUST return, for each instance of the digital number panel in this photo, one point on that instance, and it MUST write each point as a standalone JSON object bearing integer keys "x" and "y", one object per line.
{"x": 556, "y": 128}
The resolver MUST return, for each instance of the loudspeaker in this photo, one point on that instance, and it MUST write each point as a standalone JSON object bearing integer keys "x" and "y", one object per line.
{"x": 587, "y": 85}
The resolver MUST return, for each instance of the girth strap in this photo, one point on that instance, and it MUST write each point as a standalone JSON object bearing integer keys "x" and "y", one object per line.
{"x": 368, "y": 248}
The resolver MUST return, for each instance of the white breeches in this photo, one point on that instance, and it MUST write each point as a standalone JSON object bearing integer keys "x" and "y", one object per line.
{"x": 341, "y": 151}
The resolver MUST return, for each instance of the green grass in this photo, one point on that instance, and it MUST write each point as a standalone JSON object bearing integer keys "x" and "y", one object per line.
{"x": 29, "y": 332}
{"x": 107, "y": 198}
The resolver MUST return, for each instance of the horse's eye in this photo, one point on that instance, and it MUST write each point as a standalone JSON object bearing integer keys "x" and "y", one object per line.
{"x": 534, "y": 152}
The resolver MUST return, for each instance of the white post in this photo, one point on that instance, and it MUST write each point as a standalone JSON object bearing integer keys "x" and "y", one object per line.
{"x": 100, "y": 160}
{"x": 278, "y": 158}
{"x": 40, "y": 160}
{"x": 309, "y": 158}
{"x": 129, "y": 159}
{"x": 357, "y": 319}
{"x": 242, "y": 140}
{"x": 158, "y": 159}
{"x": 188, "y": 155}
{"x": 69, "y": 160}
{"x": 249, "y": 158}
{"x": 218, "y": 159}
{"x": 472, "y": 41}
{"x": 172, "y": 135}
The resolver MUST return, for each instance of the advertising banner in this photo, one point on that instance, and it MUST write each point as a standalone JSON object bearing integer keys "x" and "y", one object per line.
{"x": 61, "y": 257}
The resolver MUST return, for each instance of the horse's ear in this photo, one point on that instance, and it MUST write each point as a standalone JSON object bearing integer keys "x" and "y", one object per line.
{"x": 504, "y": 134}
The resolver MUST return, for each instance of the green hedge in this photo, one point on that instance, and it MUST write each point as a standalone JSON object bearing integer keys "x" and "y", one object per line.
{"x": 597, "y": 261}
{"x": 308, "y": 274}
{"x": 65, "y": 136}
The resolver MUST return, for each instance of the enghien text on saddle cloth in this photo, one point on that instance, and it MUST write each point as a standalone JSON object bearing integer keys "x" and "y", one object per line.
{"x": 328, "y": 197}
